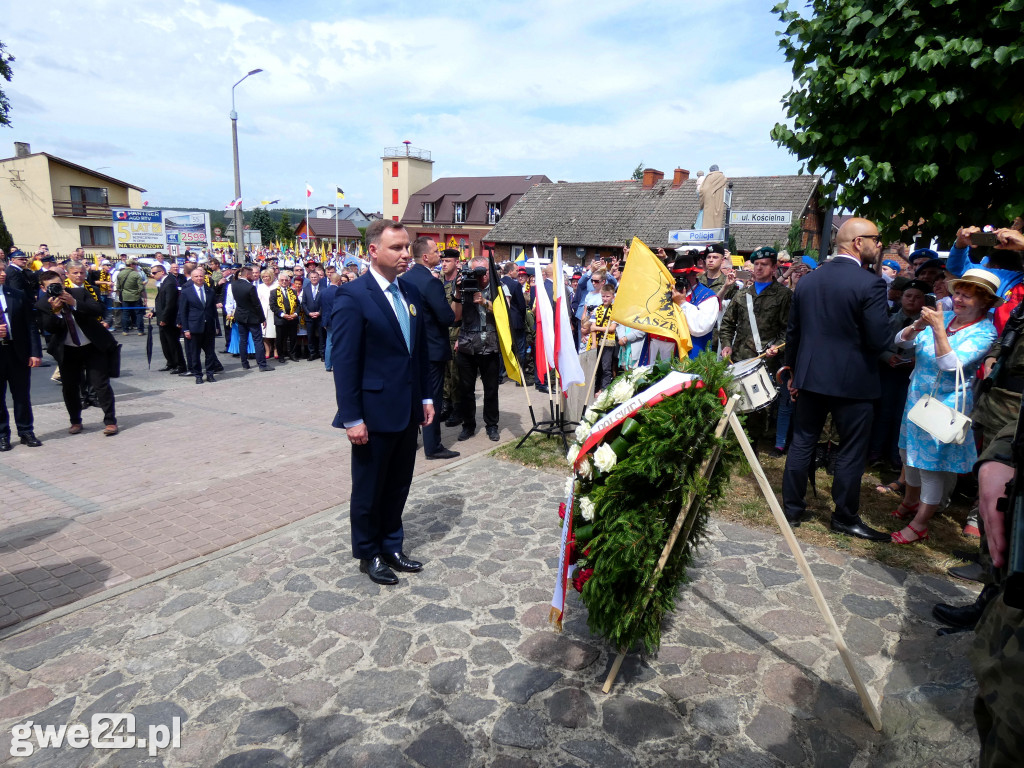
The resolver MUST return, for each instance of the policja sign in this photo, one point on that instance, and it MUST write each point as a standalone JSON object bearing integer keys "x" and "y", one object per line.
{"x": 696, "y": 236}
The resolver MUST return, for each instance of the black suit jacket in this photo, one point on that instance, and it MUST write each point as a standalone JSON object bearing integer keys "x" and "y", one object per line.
{"x": 516, "y": 303}
{"x": 193, "y": 315}
{"x": 165, "y": 306}
{"x": 309, "y": 304}
{"x": 87, "y": 313}
{"x": 327, "y": 297}
{"x": 22, "y": 333}
{"x": 838, "y": 324}
{"x": 248, "y": 308}
{"x": 24, "y": 280}
{"x": 438, "y": 315}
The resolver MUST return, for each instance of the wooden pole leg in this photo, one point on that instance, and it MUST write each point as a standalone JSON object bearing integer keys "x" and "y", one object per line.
{"x": 870, "y": 709}
{"x": 613, "y": 672}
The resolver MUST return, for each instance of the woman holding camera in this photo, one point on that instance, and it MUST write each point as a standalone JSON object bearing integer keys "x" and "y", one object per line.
{"x": 942, "y": 341}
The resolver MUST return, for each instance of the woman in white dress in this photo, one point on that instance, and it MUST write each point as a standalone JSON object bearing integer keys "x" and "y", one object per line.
{"x": 263, "y": 291}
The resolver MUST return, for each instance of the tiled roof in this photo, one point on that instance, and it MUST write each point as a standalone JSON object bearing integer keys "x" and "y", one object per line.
{"x": 478, "y": 192}
{"x": 325, "y": 228}
{"x": 609, "y": 213}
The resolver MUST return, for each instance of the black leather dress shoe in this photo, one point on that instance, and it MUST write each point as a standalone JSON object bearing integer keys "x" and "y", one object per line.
{"x": 466, "y": 433}
{"x": 30, "y": 440}
{"x": 210, "y": 378}
{"x": 794, "y": 522}
{"x": 265, "y": 368}
{"x": 179, "y": 371}
{"x": 542, "y": 388}
{"x": 165, "y": 368}
{"x": 444, "y": 453}
{"x": 199, "y": 379}
{"x": 492, "y": 433}
{"x": 5, "y": 444}
{"x": 378, "y": 571}
{"x": 860, "y": 530}
{"x": 965, "y": 616}
{"x": 453, "y": 421}
{"x": 400, "y": 562}
{"x": 245, "y": 366}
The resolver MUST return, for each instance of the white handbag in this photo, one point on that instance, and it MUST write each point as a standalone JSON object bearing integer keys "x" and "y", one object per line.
{"x": 945, "y": 424}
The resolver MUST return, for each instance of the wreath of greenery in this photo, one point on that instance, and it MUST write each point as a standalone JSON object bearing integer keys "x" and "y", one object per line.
{"x": 622, "y": 516}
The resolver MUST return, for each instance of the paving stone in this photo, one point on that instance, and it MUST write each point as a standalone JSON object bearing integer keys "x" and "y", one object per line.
{"x": 116, "y": 700}
{"x": 717, "y": 717}
{"x": 599, "y": 754}
{"x": 106, "y": 682}
{"x": 879, "y": 572}
{"x": 368, "y": 756}
{"x": 520, "y": 682}
{"x": 558, "y": 651}
{"x": 31, "y": 657}
{"x": 255, "y": 758}
{"x": 746, "y": 758}
{"x": 390, "y": 648}
{"x": 634, "y": 722}
{"x": 730, "y": 663}
{"x": 693, "y": 639}
{"x": 867, "y": 607}
{"x": 199, "y": 687}
{"x": 330, "y": 601}
{"x": 249, "y": 594}
{"x": 199, "y": 620}
{"x": 771, "y": 577}
{"x": 499, "y": 631}
{"x": 790, "y": 623}
{"x": 788, "y": 685}
{"x": 571, "y": 708}
{"x": 733, "y": 549}
{"x": 863, "y": 637}
{"x": 441, "y": 746}
{"x": 470, "y": 709}
{"x": 448, "y": 677}
{"x": 490, "y": 653}
{"x": 440, "y": 614}
{"x": 165, "y": 682}
{"x": 447, "y": 636}
{"x": 772, "y": 729}
{"x": 322, "y": 734}
{"x": 357, "y": 626}
{"x": 239, "y": 665}
{"x": 22, "y": 702}
{"x": 423, "y": 706}
{"x": 300, "y": 583}
{"x": 274, "y": 607}
{"x": 265, "y": 724}
{"x": 219, "y": 711}
{"x": 376, "y": 691}
{"x": 179, "y": 603}
{"x": 520, "y": 727}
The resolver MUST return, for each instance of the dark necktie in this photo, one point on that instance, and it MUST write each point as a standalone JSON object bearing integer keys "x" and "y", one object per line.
{"x": 3, "y": 321}
{"x": 72, "y": 331}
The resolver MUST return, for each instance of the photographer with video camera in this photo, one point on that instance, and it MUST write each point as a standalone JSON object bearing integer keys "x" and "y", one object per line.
{"x": 476, "y": 351}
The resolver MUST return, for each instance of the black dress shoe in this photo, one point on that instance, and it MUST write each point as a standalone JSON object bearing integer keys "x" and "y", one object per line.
{"x": 378, "y": 571}
{"x": 265, "y": 368}
{"x": 466, "y": 433}
{"x": 965, "y": 616}
{"x": 542, "y": 388}
{"x": 30, "y": 440}
{"x": 860, "y": 530}
{"x": 400, "y": 562}
{"x": 199, "y": 379}
{"x": 209, "y": 378}
{"x": 492, "y": 433}
{"x": 453, "y": 421}
{"x": 5, "y": 444}
{"x": 245, "y": 366}
{"x": 444, "y": 453}
{"x": 179, "y": 371}
{"x": 794, "y": 522}
{"x": 165, "y": 368}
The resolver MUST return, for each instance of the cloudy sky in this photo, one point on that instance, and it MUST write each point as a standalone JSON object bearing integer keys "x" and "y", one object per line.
{"x": 579, "y": 91}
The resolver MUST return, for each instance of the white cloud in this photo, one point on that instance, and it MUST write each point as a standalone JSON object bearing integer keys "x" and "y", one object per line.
{"x": 574, "y": 92}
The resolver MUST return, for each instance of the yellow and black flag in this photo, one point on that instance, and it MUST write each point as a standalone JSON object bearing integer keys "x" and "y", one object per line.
{"x": 341, "y": 195}
{"x": 499, "y": 306}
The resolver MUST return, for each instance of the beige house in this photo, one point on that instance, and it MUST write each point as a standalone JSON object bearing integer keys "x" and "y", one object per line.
{"x": 45, "y": 199}
{"x": 407, "y": 170}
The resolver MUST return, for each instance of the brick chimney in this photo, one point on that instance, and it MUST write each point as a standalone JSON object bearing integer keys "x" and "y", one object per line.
{"x": 22, "y": 149}
{"x": 652, "y": 177}
{"x": 680, "y": 175}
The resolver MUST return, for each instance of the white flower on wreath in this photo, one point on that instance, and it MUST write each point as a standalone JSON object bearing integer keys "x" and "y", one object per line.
{"x": 585, "y": 470}
{"x": 603, "y": 401}
{"x": 591, "y": 416}
{"x": 605, "y": 458}
{"x": 582, "y": 432}
{"x": 574, "y": 451}
{"x": 621, "y": 390}
{"x": 570, "y": 486}
{"x": 587, "y": 509}
{"x": 638, "y": 373}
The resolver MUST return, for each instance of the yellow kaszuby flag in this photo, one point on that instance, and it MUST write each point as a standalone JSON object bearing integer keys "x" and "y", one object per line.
{"x": 499, "y": 308}
{"x": 644, "y": 298}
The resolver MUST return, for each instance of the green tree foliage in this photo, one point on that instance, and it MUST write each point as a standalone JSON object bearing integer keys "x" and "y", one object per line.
{"x": 795, "y": 236}
{"x": 285, "y": 231}
{"x": 261, "y": 220}
{"x": 6, "y": 240}
{"x": 5, "y": 72}
{"x": 913, "y": 107}
{"x": 638, "y": 172}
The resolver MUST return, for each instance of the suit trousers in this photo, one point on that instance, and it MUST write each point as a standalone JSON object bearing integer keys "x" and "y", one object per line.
{"x": 313, "y": 335}
{"x": 852, "y": 419}
{"x": 170, "y": 345}
{"x": 432, "y": 432}
{"x": 287, "y": 338}
{"x": 77, "y": 362}
{"x": 245, "y": 330}
{"x": 487, "y": 367}
{"x": 200, "y": 346}
{"x": 16, "y": 374}
{"x": 381, "y": 476}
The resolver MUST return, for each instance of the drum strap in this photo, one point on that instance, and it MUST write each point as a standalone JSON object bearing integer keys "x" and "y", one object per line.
{"x": 753, "y": 323}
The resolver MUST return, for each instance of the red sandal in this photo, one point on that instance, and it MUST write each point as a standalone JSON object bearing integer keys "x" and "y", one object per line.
{"x": 912, "y": 511}
{"x": 899, "y": 538}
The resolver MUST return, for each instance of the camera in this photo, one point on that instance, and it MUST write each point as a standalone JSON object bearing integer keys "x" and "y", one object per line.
{"x": 53, "y": 290}
{"x": 470, "y": 281}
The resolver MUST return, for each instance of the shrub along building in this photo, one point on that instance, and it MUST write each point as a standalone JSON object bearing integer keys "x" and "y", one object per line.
{"x": 599, "y": 217}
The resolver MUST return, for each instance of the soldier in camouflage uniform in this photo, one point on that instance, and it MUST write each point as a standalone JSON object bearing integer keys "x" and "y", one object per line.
{"x": 997, "y": 654}
{"x": 771, "y": 311}
{"x": 450, "y": 407}
{"x": 714, "y": 278}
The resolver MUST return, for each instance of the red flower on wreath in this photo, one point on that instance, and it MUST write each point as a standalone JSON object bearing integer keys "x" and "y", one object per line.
{"x": 561, "y": 511}
{"x": 581, "y": 578}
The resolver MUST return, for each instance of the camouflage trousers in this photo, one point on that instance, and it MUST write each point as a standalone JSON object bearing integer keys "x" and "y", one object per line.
{"x": 451, "y": 376}
{"x": 997, "y": 657}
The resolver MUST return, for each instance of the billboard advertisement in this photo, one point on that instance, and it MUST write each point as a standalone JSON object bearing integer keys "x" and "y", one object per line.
{"x": 187, "y": 229}
{"x": 138, "y": 230}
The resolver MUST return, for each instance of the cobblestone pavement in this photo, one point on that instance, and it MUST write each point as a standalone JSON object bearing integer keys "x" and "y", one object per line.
{"x": 194, "y": 469}
{"x": 281, "y": 654}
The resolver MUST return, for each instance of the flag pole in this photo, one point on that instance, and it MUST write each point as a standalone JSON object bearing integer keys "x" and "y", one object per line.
{"x": 597, "y": 363}
{"x": 306, "y": 190}
{"x": 336, "y": 214}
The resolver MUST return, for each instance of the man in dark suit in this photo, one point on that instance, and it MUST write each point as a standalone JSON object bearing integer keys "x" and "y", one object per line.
{"x": 327, "y": 304}
{"x": 20, "y": 277}
{"x": 20, "y": 351}
{"x": 437, "y": 316}
{"x": 312, "y": 306}
{"x": 197, "y": 316}
{"x": 165, "y": 310}
{"x": 79, "y": 342}
{"x": 838, "y": 325}
{"x": 284, "y": 304}
{"x": 249, "y": 317}
{"x": 516, "y": 310}
{"x": 382, "y": 387}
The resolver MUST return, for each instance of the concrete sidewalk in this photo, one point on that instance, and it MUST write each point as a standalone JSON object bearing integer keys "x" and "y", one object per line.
{"x": 280, "y": 653}
{"x": 194, "y": 469}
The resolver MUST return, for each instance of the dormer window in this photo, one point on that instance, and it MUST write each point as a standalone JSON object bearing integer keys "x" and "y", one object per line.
{"x": 493, "y": 213}
{"x": 428, "y": 213}
{"x": 460, "y": 213}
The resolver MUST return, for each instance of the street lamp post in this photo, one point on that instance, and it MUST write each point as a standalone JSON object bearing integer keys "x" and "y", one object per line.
{"x": 239, "y": 232}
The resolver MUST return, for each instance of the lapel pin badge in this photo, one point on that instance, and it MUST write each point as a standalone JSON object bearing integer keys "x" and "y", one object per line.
{"x": 412, "y": 310}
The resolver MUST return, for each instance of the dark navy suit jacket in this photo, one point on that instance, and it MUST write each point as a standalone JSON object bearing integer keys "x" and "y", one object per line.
{"x": 327, "y": 296}
{"x": 376, "y": 376}
{"x": 309, "y": 304}
{"x": 193, "y": 316}
{"x": 438, "y": 315}
{"x": 838, "y": 325}
{"x": 22, "y": 333}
